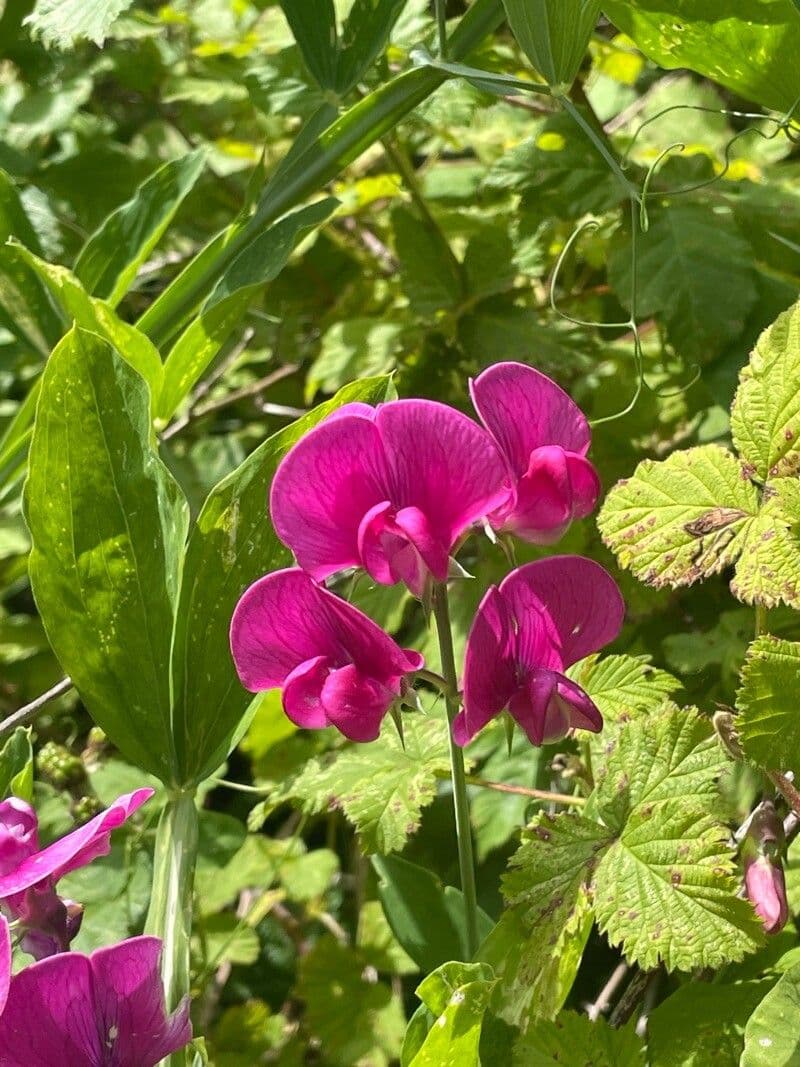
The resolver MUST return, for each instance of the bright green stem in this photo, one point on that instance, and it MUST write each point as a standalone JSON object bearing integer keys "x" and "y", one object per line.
{"x": 170, "y": 915}
{"x": 310, "y": 169}
{"x": 601, "y": 147}
{"x": 466, "y": 863}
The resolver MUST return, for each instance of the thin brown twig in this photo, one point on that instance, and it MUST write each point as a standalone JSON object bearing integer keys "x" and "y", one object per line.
{"x": 29, "y": 711}
{"x": 523, "y": 791}
{"x": 787, "y": 789}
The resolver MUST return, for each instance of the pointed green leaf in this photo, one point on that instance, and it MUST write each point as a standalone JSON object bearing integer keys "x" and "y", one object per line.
{"x": 14, "y": 221}
{"x": 768, "y": 700}
{"x": 16, "y": 765}
{"x": 772, "y": 1037}
{"x": 63, "y": 22}
{"x": 314, "y": 29}
{"x": 680, "y": 520}
{"x": 574, "y": 1039}
{"x": 554, "y": 35}
{"x": 749, "y": 47}
{"x": 231, "y": 545}
{"x": 364, "y": 36}
{"x": 426, "y": 917}
{"x": 25, "y": 308}
{"x": 259, "y": 263}
{"x": 109, "y": 260}
{"x": 108, "y": 525}
{"x": 76, "y": 306}
{"x": 765, "y": 419}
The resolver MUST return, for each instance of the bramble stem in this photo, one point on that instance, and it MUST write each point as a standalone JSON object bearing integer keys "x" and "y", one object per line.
{"x": 170, "y": 914}
{"x": 466, "y": 863}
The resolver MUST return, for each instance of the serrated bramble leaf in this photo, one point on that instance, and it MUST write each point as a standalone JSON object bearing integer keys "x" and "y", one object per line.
{"x": 695, "y": 270}
{"x": 682, "y": 519}
{"x": 768, "y": 724}
{"x": 623, "y": 685}
{"x": 63, "y": 22}
{"x": 573, "y": 1039}
{"x": 768, "y": 570}
{"x": 356, "y": 1019}
{"x": 546, "y": 892}
{"x": 765, "y": 418}
{"x": 676, "y": 756}
{"x": 666, "y": 890}
{"x": 383, "y": 787}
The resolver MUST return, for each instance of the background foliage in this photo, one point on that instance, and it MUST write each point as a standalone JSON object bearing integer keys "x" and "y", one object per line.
{"x": 440, "y": 246}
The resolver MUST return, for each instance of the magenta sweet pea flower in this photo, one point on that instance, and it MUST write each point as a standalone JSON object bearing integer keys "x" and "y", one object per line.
{"x": 389, "y": 489}
{"x": 544, "y": 437}
{"x": 103, "y": 1010}
{"x": 335, "y": 666}
{"x": 5, "y": 962}
{"x": 542, "y": 618}
{"x": 28, "y": 875}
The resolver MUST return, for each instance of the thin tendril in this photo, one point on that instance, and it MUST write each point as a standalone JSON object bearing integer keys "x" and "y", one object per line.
{"x": 644, "y": 218}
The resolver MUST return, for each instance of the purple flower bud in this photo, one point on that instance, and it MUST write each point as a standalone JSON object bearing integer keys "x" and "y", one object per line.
{"x": 763, "y": 871}
{"x": 766, "y": 888}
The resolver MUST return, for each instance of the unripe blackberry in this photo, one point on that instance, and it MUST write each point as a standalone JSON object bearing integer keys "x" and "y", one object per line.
{"x": 58, "y": 765}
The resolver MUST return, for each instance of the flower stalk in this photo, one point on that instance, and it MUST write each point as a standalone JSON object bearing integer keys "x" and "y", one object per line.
{"x": 466, "y": 862}
{"x": 170, "y": 914}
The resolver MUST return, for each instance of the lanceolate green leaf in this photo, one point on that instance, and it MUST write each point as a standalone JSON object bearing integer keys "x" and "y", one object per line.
{"x": 108, "y": 526}
{"x": 258, "y": 264}
{"x": 76, "y": 306}
{"x": 327, "y": 154}
{"x": 109, "y": 260}
{"x": 314, "y": 29}
{"x": 554, "y": 34}
{"x": 25, "y": 308}
{"x": 364, "y": 35}
{"x": 231, "y": 545}
{"x": 14, "y": 221}
{"x": 749, "y": 46}
{"x": 768, "y": 700}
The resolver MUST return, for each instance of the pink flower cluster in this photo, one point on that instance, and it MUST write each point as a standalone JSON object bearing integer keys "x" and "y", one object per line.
{"x": 103, "y": 1010}
{"x": 394, "y": 490}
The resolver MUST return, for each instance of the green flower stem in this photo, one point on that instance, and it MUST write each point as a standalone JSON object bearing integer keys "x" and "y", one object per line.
{"x": 466, "y": 863}
{"x": 170, "y": 914}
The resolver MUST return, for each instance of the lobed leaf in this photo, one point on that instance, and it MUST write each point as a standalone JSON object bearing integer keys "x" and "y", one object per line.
{"x": 573, "y": 1038}
{"x": 63, "y": 22}
{"x": 680, "y": 520}
{"x": 768, "y": 701}
{"x": 765, "y": 418}
{"x": 381, "y": 788}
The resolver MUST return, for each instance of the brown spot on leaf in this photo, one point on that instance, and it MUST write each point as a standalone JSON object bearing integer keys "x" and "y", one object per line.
{"x": 712, "y": 520}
